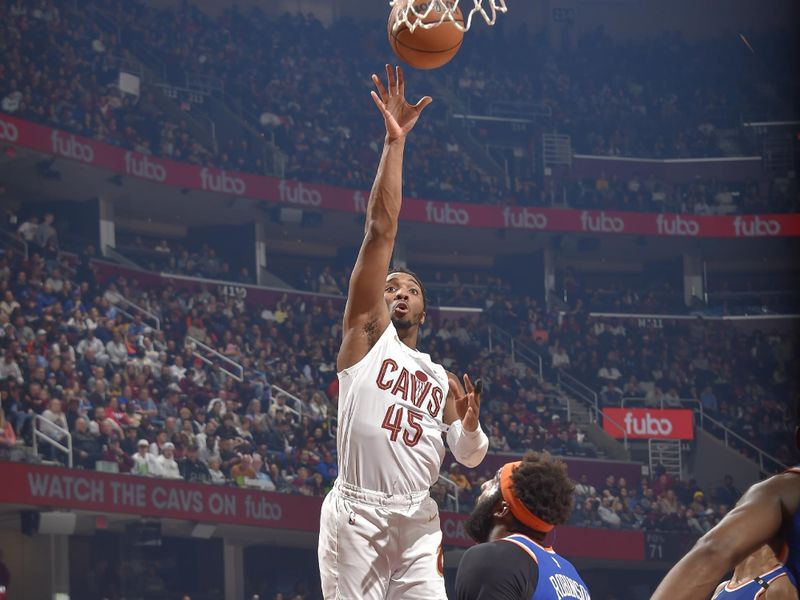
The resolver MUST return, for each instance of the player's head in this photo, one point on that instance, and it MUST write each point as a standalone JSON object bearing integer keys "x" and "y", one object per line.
{"x": 405, "y": 297}
{"x": 530, "y": 496}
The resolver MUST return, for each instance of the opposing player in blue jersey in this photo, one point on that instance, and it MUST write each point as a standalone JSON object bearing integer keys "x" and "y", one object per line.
{"x": 760, "y": 576}
{"x": 767, "y": 514}
{"x": 513, "y": 515}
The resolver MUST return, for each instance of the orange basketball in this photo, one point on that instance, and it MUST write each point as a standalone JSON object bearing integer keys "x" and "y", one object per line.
{"x": 427, "y": 48}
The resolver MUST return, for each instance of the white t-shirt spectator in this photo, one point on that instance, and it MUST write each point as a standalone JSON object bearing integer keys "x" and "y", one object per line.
{"x": 27, "y": 230}
{"x": 560, "y": 358}
{"x": 10, "y": 369}
{"x": 169, "y": 467}
{"x": 117, "y": 352}
{"x": 146, "y": 465}
{"x": 609, "y": 373}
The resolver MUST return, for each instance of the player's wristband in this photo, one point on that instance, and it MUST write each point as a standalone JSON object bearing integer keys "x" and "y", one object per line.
{"x": 469, "y": 447}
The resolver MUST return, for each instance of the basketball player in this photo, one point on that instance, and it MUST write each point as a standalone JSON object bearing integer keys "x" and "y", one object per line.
{"x": 766, "y": 514}
{"x": 514, "y": 513}
{"x": 759, "y": 576}
{"x": 379, "y": 531}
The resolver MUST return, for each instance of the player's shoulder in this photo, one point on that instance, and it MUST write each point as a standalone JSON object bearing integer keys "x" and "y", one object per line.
{"x": 498, "y": 555}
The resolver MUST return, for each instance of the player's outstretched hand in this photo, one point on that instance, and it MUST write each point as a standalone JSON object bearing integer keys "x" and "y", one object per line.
{"x": 468, "y": 406}
{"x": 399, "y": 116}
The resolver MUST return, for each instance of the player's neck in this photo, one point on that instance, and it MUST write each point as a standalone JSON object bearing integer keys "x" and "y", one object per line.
{"x": 751, "y": 567}
{"x": 500, "y": 531}
{"x": 409, "y": 335}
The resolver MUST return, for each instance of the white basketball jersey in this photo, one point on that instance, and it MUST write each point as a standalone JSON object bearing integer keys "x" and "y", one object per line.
{"x": 390, "y": 426}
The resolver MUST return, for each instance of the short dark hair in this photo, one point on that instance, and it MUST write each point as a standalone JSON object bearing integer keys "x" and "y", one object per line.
{"x": 542, "y": 484}
{"x": 417, "y": 279}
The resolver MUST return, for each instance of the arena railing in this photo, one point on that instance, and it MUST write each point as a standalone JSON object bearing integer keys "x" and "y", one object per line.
{"x": 454, "y": 496}
{"x": 236, "y": 371}
{"x": 279, "y": 391}
{"x": 727, "y": 433}
{"x": 500, "y": 336}
{"x": 39, "y": 420}
{"x": 13, "y": 240}
{"x": 578, "y": 390}
{"x": 118, "y": 298}
{"x": 764, "y": 459}
{"x": 692, "y": 403}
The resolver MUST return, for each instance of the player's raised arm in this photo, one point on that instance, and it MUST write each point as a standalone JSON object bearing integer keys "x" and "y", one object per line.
{"x": 756, "y": 520}
{"x": 366, "y": 315}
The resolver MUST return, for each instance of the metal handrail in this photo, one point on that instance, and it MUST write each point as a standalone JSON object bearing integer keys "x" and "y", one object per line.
{"x": 728, "y": 433}
{"x": 517, "y": 348}
{"x": 281, "y": 392}
{"x": 589, "y": 397}
{"x": 37, "y": 435}
{"x": 238, "y": 375}
{"x": 119, "y": 298}
{"x": 454, "y": 496}
{"x": 15, "y": 240}
{"x": 642, "y": 399}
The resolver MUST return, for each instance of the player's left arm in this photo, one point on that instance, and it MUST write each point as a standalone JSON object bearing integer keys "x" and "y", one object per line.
{"x": 755, "y": 521}
{"x": 781, "y": 588}
{"x": 466, "y": 439}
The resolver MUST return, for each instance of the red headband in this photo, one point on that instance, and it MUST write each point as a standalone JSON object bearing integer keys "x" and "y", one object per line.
{"x": 518, "y": 509}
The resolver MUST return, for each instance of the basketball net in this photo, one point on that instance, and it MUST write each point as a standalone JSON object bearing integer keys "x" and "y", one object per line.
{"x": 409, "y": 16}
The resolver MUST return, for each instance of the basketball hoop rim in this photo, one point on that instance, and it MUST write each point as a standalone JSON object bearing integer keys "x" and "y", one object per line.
{"x": 407, "y": 8}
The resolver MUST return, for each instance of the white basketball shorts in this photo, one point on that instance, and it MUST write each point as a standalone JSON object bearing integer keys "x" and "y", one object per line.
{"x": 378, "y": 547}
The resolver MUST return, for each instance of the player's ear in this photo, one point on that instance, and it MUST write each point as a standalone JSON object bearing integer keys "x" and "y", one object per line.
{"x": 502, "y": 510}
{"x": 422, "y": 318}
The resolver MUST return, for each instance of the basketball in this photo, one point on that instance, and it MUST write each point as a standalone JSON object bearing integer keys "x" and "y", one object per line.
{"x": 426, "y": 48}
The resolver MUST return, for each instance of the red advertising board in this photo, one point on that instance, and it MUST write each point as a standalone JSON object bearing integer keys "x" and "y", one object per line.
{"x": 314, "y": 196}
{"x": 649, "y": 423}
{"x": 101, "y": 493}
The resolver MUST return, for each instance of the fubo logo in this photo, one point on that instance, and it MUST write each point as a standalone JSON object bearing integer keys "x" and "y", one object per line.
{"x": 8, "y": 131}
{"x": 298, "y": 194}
{"x": 647, "y": 425}
{"x": 756, "y": 227}
{"x": 601, "y": 223}
{"x": 445, "y": 214}
{"x": 677, "y": 225}
{"x": 144, "y": 168}
{"x": 222, "y": 182}
{"x": 70, "y": 147}
{"x": 524, "y": 219}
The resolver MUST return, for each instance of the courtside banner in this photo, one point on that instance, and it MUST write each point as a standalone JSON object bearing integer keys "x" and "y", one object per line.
{"x": 649, "y": 423}
{"x": 312, "y": 196}
{"x": 100, "y": 493}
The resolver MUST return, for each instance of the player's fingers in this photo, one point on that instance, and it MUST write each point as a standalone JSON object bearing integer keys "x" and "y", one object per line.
{"x": 390, "y": 80}
{"x": 379, "y": 103}
{"x": 420, "y": 106}
{"x": 468, "y": 384}
{"x": 401, "y": 81}
{"x": 379, "y": 84}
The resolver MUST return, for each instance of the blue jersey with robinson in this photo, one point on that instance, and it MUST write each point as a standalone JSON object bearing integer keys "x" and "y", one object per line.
{"x": 557, "y": 577}
{"x": 753, "y": 588}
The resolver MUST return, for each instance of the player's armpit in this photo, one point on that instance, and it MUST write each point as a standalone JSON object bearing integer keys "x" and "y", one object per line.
{"x": 755, "y": 521}
{"x": 781, "y": 589}
{"x": 496, "y": 571}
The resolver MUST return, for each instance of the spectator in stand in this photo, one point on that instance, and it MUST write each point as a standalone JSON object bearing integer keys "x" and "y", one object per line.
{"x": 727, "y": 494}
{"x": 243, "y": 470}
{"x": 192, "y": 468}
{"x": 85, "y": 445}
{"x": 167, "y": 464}
{"x": 145, "y": 462}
